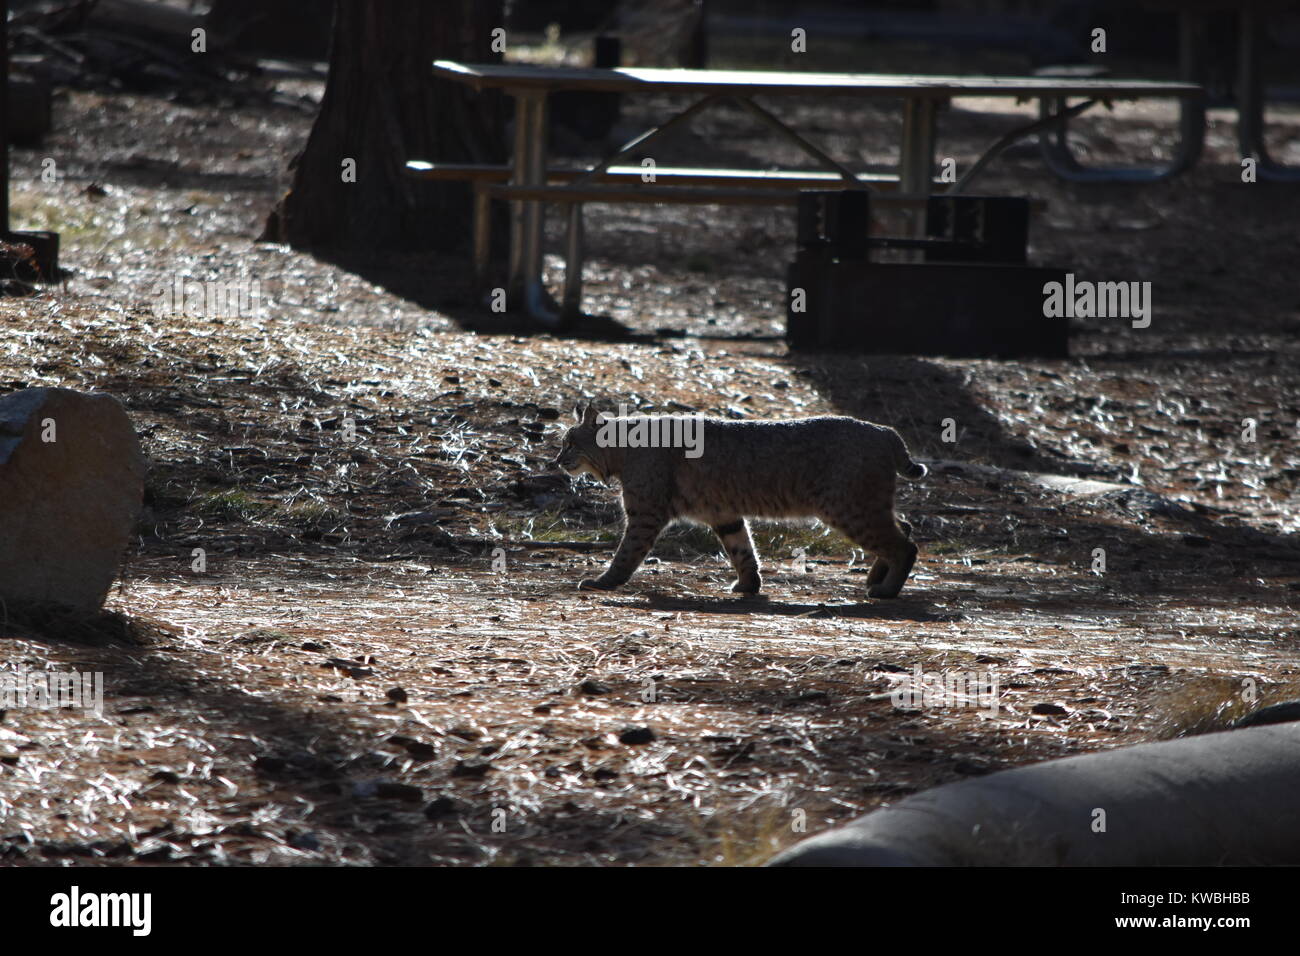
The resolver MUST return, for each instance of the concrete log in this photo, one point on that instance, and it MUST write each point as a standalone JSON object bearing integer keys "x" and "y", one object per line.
{"x": 1219, "y": 799}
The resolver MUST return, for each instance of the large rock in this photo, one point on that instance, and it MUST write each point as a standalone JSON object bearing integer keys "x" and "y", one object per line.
{"x": 67, "y": 506}
{"x": 1219, "y": 799}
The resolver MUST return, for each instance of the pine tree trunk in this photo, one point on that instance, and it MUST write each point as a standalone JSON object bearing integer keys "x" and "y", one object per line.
{"x": 382, "y": 107}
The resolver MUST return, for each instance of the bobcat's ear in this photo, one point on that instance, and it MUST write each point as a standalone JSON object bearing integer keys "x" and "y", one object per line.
{"x": 577, "y": 413}
{"x": 589, "y": 415}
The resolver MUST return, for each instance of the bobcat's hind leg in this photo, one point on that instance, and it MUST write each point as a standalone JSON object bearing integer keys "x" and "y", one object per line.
{"x": 739, "y": 546}
{"x": 880, "y": 568}
{"x": 901, "y": 558}
{"x": 895, "y": 553}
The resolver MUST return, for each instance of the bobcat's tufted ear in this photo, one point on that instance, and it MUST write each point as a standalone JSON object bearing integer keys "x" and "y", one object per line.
{"x": 589, "y": 415}
{"x": 577, "y": 413}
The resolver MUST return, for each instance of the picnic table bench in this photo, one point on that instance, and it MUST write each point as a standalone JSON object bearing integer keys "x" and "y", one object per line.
{"x": 529, "y": 182}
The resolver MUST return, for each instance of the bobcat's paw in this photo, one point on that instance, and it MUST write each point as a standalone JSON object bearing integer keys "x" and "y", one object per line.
{"x": 595, "y": 584}
{"x": 747, "y": 585}
{"x": 880, "y": 591}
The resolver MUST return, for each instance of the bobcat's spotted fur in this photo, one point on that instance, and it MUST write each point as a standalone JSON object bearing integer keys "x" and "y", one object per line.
{"x": 838, "y": 469}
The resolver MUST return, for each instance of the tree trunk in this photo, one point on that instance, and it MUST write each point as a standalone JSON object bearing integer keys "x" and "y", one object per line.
{"x": 382, "y": 107}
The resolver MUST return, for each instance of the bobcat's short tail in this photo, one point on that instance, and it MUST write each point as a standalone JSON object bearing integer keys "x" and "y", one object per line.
{"x": 903, "y": 463}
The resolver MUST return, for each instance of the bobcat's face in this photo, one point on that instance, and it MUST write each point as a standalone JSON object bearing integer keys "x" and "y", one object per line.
{"x": 578, "y": 450}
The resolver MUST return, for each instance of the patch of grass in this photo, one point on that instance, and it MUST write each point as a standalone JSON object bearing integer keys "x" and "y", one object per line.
{"x": 72, "y": 221}
{"x": 778, "y": 540}
{"x": 235, "y": 504}
{"x": 230, "y": 504}
{"x": 774, "y": 540}
{"x": 685, "y": 540}
{"x": 553, "y": 526}
{"x": 1210, "y": 705}
{"x": 783, "y": 538}
{"x": 91, "y": 227}
{"x": 308, "y": 513}
{"x": 751, "y": 839}
{"x": 957, "y": 546}
{"x": 262, "y": 636}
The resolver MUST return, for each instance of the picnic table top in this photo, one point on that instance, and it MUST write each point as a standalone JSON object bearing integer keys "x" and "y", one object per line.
{"x": 751, "y": 82}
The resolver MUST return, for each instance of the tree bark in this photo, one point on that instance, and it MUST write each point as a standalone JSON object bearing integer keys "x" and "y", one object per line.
{"x": 381, "y": 107}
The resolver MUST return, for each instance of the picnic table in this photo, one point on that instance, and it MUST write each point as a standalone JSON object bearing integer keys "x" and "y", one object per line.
{"x": 528, "y": 182}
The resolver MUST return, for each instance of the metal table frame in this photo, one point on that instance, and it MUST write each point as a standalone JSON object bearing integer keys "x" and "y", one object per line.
{"x": 923, "y": 96}
{"x": 1060, "y": 159}
{"x": 1193, "y": 35}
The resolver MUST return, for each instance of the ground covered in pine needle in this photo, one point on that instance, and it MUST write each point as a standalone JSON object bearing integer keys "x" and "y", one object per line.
{"x": 382, "y": 656}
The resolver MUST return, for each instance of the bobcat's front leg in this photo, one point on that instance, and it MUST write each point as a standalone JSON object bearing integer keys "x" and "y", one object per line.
{"x": 638, "y": 538}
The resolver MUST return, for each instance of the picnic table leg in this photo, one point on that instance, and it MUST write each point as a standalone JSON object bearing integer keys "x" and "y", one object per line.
{"x": 482, "y": 237}
{"x": 1057, "y": 155}
{"x": 573, "y": 264}
{"x": 1250, "y": 103}
{"x": 916, "y": 155}
{"x": 574, "y": 251}
{"x": 519, "y": 160}
{"x": 527, "y": 216}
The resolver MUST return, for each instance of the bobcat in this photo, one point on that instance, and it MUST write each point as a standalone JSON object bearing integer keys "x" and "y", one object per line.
{"x": 838, "y": 469}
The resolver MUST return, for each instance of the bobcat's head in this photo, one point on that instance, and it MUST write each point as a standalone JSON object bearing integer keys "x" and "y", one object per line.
{"x": 579, "y": 452}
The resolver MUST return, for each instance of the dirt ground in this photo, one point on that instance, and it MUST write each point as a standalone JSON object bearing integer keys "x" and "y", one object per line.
{"x": 355, "y": 678}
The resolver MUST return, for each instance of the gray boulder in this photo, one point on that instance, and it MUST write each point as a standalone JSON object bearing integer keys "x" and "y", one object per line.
{"x": 68, "y": 505}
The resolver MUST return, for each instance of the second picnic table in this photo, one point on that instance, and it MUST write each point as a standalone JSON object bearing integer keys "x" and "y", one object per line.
{"x": 528, "y": 181}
